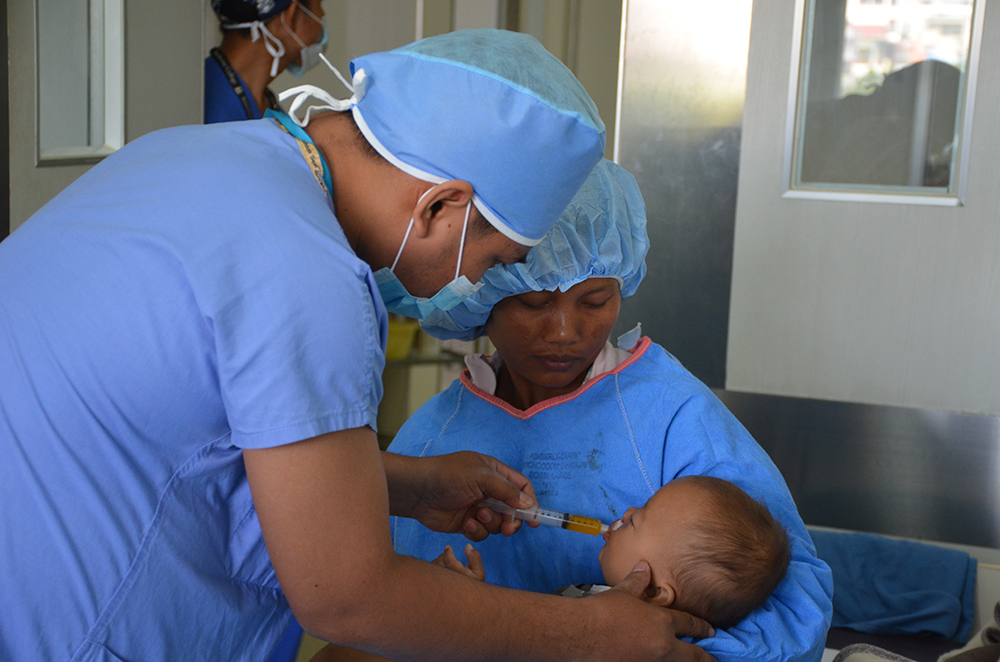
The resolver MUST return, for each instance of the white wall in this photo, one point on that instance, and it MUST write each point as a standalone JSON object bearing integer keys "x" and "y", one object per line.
{"x": 872, "y": 303}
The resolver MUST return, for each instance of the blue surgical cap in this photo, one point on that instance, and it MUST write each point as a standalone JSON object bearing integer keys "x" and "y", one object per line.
{"x": 601, "y": 234}
{"x": 489, "y": 107}
{"x": 246, "y": 11}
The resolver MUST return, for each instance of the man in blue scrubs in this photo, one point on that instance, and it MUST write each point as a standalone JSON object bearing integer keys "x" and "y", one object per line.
{"x": 192, "y": 337}
{"x": 260, "y": 40}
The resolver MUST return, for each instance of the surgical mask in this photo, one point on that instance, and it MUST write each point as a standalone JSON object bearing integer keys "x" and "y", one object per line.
{"x": 398, "y": 300}
{"x": 309, "y": 55}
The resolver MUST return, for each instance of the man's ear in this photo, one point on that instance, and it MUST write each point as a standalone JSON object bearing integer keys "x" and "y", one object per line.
{"x": 660, "y": 594}
{"x": 439, "y": 202}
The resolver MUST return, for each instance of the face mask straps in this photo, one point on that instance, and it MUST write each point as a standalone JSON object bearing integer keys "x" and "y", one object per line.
{"x": 461, "y": 244}
{"x": 271, "y": 43}
{"x": 302, "y": 93}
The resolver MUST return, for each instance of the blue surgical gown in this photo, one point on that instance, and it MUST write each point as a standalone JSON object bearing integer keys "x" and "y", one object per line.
{"x": 608, "y": 446}
{"x": 190, "y": 296}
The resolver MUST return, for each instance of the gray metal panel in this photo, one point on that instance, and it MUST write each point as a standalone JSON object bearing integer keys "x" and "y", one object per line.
{"x": 892, "y": 470}
{"x": 681, "y": 105}
{"x": 907, "y": 472}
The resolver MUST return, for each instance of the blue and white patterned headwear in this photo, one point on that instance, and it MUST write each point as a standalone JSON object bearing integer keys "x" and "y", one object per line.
{"x": 247, "y": 11}
{"x": 489, "y": 107}
{"x": 601, "y": 234}
{"x": 253, "y": 15}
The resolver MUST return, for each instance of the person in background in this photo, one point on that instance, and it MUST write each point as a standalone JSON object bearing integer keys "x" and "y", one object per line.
{"x": 192, "y": 339}
{"x": 260, "y": 40}
{"x": 257, "y": 45}
{"x": 599, "y": 428}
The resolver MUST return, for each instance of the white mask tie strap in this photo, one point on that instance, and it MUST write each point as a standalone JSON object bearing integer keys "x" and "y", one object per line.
{"x": 303, "y": 93}
{"x": 271, "y": 43}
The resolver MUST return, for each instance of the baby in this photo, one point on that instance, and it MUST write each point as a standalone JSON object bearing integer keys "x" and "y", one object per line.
{"x": 713, "y": 551}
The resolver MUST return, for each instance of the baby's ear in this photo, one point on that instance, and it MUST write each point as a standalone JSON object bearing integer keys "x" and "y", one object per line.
{"x": 662, "y": 595}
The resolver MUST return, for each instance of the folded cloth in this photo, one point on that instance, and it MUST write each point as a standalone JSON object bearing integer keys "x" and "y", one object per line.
{"x": 887, "y": 586}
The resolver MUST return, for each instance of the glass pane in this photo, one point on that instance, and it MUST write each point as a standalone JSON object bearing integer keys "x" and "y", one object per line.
{"x": 882, "y": 95}
{"x": 79, "y": 82}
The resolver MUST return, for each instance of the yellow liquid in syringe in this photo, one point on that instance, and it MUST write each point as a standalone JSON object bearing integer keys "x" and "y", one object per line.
{"x": 549, "y": 517}
{"x": 585, "y": 525}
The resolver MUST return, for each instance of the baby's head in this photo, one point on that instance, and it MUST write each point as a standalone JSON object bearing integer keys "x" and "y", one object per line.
{"x": 713, "y": 551}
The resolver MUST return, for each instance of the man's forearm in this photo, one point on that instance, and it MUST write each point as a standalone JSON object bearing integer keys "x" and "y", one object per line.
{"x": 323, "y": 510}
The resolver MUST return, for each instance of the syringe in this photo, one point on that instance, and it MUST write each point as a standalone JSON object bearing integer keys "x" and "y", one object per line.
{"x": 550, "y": 517}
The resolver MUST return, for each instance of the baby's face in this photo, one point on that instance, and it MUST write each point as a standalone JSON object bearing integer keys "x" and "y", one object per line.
{"x": 652, "y": 533}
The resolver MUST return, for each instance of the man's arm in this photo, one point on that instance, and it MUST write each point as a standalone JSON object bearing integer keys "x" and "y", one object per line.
{"x": 323, "y": 506}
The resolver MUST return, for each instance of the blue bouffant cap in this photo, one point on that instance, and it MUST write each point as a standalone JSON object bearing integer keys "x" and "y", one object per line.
{"x": 247, "y": 11}
{"x": 489, "y": 107}
{"x": 601, "y": 234}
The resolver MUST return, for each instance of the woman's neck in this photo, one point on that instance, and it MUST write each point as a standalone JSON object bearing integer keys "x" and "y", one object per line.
{"x": 522, "y": 394}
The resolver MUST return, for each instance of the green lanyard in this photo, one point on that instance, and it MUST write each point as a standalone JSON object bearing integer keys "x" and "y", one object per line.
{"x": 309, "y": 152}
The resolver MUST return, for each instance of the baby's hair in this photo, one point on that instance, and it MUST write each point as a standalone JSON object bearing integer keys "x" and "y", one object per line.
{"x": 737, "y": 556}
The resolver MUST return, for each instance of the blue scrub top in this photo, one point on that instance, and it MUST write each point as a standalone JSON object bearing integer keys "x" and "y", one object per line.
{"x": 602, "y": 449}
{"x": 221, "y": 102}
{"x": 190, "y": 296}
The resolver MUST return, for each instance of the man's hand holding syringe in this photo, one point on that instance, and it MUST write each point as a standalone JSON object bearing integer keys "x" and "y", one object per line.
{"x": 478, "y": 621}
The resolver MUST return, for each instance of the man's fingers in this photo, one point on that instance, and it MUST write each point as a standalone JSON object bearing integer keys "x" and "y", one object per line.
{"x": 692, "y": 653}
{"x": 490, "y": 520}
{"x": 635, "y": 582}
{"x": 473, "y": 530}
{"x": 510, "y": 527}
{"x": 686, "y": 625}
{"x": 509, "y": 485}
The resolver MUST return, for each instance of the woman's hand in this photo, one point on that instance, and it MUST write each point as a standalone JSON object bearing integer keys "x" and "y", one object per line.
{"x": 474, "y": 570}
{"x": 443, "y": 492}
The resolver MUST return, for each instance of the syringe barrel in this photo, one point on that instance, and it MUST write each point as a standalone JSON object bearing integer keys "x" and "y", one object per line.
{"x": 564, "y": 520}
{"x": 550, "y": 517}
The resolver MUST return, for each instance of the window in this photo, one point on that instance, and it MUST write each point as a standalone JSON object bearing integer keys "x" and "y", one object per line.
{"x": 80, "y": 84}
{"x": 882, "y": 97}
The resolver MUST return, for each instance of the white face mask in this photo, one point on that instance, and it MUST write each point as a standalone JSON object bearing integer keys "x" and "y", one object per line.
{"x": 309, "y": 55}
